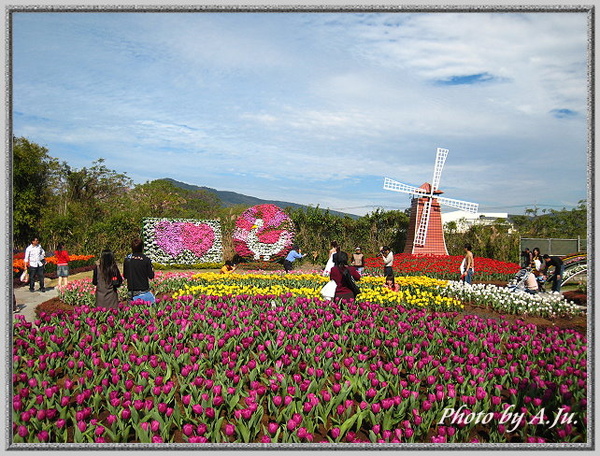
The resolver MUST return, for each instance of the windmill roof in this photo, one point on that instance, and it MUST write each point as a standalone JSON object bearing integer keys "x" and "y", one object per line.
{"x": 427, "y": 187}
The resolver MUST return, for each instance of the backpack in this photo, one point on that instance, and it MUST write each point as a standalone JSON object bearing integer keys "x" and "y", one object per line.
{"x": 350, "y": 283}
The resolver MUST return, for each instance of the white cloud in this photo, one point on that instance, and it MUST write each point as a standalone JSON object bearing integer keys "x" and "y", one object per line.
{"x": 310, "y": 104}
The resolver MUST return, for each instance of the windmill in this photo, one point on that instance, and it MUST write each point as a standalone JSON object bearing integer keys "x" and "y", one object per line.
{"x": 425, "y": 232}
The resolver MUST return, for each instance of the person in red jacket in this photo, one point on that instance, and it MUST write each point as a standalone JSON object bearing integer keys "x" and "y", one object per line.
{"x": 62, "y": 264}
{"x": 338, "y": 273}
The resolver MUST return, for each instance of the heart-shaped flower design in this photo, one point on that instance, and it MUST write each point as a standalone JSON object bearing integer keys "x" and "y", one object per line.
{"x": 175, "y": 237}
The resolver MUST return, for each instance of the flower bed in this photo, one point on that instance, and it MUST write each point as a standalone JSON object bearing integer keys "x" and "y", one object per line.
{"x": 502, "y": 299}
{"x": 261, "y": 369}
{"x": 81, "y": 292}
{"x": 75, "y": 262}
{"x": 444, "y": 267}
{"x": 433, "y": 294}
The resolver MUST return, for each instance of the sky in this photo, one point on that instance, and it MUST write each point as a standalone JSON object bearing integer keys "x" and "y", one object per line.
{"x": 315, "y": 108}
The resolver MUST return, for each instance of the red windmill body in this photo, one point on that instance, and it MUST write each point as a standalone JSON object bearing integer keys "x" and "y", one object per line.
{"x": 425, "y": 231}
{"x": 434, "y": 244}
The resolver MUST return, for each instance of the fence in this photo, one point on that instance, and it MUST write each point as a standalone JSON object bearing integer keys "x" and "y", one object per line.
{"x": 555, "y": 246}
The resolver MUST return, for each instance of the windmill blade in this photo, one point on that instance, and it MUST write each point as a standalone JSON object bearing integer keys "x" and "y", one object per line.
{"x": 440, "y": 159}
{"x": 421, "y": 234}
{"x": 462, "y": 205}
{"x": 395, "y": 186}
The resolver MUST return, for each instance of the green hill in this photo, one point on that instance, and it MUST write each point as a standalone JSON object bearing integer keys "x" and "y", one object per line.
{"x": 229, "y": 199}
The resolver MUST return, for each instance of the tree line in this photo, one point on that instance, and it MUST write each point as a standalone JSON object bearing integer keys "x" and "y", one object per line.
{"x": 94, "y": 207}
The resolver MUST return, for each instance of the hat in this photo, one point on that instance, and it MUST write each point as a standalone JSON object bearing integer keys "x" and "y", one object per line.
{"x": 357, "y": 248}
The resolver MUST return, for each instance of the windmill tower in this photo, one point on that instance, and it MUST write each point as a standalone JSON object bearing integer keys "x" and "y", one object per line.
{"x": 425, "y": 231}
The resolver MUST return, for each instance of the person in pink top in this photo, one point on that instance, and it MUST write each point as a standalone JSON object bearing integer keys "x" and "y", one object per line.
{"x": 62, "y": 264}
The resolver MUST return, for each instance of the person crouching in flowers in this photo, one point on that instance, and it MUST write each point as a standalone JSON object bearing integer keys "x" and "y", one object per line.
{"x": 339, "y": 274}
{"x": 391, "y": 284}
{"x": 228, "y": 268}
{"x": 294, "y": 254}
{"x": 107, "y": 279}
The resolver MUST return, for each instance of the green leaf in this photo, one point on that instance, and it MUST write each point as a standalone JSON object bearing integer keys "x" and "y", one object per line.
{"x": 348, "y": 423}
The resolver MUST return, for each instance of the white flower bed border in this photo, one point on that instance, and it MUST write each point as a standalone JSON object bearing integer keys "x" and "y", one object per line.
{"x": 514, "y": 302}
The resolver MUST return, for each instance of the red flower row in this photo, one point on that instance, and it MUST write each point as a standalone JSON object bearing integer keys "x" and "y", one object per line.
{"x": 405, "y": 263}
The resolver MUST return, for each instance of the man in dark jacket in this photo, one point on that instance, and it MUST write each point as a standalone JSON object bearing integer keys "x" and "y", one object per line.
{"x": 559, "y": 270}
{"x": 138, "y": 270}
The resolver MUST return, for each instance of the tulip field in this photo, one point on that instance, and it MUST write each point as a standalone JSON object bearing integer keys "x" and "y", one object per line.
{"x": 262, "y": 358}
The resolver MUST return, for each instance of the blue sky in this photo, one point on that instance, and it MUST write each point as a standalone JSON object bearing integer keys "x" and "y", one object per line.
{"x": 315, "y": 108}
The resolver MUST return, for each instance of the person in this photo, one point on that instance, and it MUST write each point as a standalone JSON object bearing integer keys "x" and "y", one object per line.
{"x": 526, "y": 258}
{"x": 531, "y": 283}
{"x": 62, "y": 264}
{"x": 108, "y": 279}
{"x": 15, "y": 306}
{"x": 339, "y": 270}
{"x": 536, "y": 259}
{"x": 358, "y": 260}
{"x": 228, "y": 268}
{"x": 138, "y": 271}
{"x": 35, "y": 258}
{"x": 469, "y": 264}
{"x": 391, "y": 284}
{"x": 293, "y": 255}
{"x": 559, "y": 270}
{"x": 388, "y": 261}
{"x": 335, "y": 248}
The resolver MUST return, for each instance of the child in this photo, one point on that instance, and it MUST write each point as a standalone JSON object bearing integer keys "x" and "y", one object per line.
{"x": 391, "y": 284}
{"x": 62, "y": 264}
{"x": 228, "y": 268}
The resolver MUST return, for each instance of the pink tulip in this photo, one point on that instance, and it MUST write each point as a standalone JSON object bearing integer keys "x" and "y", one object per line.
{"x": 22, "y": 431}
{"x": 197, "y": 408}
{"x": 229, "y": 429}
{"x": 188, "y": 429}
{"x": 272, "y": 427}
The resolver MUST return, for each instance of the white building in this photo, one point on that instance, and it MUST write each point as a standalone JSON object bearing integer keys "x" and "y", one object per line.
{"x": 464, "y": 219}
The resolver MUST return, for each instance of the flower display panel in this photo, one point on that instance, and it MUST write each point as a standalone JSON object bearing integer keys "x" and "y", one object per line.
{"x": 183, "y": 241}
{"x": 263, "y": 232}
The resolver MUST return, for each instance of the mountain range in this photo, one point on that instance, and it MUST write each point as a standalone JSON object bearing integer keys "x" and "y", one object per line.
{"x": 229, "y": 199}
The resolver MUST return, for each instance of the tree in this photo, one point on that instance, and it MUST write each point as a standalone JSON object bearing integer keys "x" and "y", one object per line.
{"x": 562, "y": 223}
{"x": 32, "y": 176}
{"x": 83, "y": 201}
